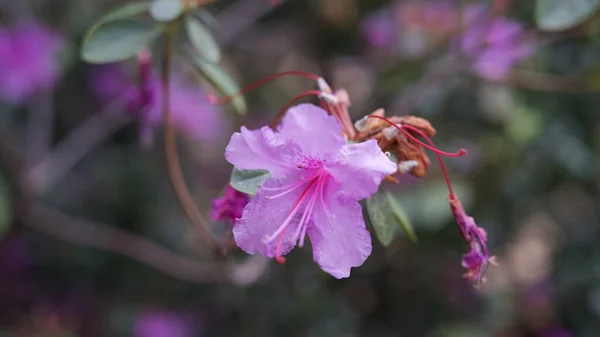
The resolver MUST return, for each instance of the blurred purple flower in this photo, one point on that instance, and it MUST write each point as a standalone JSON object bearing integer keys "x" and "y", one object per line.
{"x": 379, "y": 29}
{"x": 230, "y": 206}
{"x": 556, "y": 332}
{"x": 28, "y": 61}
{"x": 161, "y": 324}
{"x": 317, "y": 179}
{"x": 496, "y": 45}
{"x": 191, "y": 112}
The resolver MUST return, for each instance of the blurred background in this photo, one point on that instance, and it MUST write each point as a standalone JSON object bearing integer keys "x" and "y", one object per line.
{"x": 94, "y": 243}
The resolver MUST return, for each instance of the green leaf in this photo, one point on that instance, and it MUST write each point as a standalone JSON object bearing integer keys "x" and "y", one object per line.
{"x": 128, "y": 11}
{"x": 555, "y": 15}
{"x": 166, "y": 10}
{"x": 118, "y": 40}
{"x": 401, "y": 216}
{"x": 381, "y": 218}
{"x": 248, "y": 181}
{"x": 219, "y": 79}
{"x": 202, "y": 39}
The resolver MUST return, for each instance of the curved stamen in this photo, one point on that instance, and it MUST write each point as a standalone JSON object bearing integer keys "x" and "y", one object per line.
{"x": 293, "y": 212}
{"x": 319, "y": 191}
{"x": 401, "y": 128}
{"x": 285, "y": 187}
{"x": 288, "y": 104}
{"x": 437, "y": 152}
{"x": 226, "y": 99}
{"x": 306, "y": 216}
{"x": 290, "y": 189}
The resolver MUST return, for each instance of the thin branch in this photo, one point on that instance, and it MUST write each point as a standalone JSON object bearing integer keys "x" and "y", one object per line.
{"x": 89, "y": 234}
{"x": 529, "y": 79}
{"x": 79, "y": 142}
{"x": 40, "y": 126}
{"x": 175, "y": 173}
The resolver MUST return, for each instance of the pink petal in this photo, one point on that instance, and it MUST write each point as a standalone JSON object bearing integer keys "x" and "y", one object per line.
{"x": 315, "y": 131}
{"x": 261, "y": 149}
{"x": 263, "y": 216}
{"x": 360, "y": 168}
{"x": 338, "y": 235}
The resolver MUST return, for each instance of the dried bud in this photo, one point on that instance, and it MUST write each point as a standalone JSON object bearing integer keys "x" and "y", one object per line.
{"x": 390, "y": 132}
{"x": 361, "y": 124}
{"x": 407, "y": 165}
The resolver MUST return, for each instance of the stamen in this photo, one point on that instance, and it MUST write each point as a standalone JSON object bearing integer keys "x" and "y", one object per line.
{"x": 278, "y": 257}
{"x": 401, "y": 128}
{"x": 438, "y": 153}
{"x": 280, "y": 232}
{"x": 319, "y": 191}
{"x": 226, "y": 99}
{"x": 288, "y": 104}
{"x": 301, "y": 182}
{"x": 305, "y": 217}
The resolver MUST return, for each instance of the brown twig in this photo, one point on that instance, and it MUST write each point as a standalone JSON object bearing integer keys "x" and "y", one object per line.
{"x": 175, "y": 173}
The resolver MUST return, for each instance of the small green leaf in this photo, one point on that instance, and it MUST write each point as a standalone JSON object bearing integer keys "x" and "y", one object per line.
{"x": 248, "y": 181}
{"x": 556, "y": 15}
{"x": 118, "y": 40}
{"x": 202, "y": 39}
{"x": 166, "y": 10}
{"x": 381, "y": 218}
{"x": 128, "y": 11}
{"x": 401, "y": 216}
{"x": 219, "y": 79}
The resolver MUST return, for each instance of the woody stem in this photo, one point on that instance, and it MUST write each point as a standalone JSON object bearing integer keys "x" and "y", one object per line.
{"x": 172, "y": 158}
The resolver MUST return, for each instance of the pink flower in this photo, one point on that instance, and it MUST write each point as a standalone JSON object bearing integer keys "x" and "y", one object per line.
{"x": 230, "y": 206}
{"x": 28, "y": 61}
{"x": 317, "y": 180}
{"x": 496, "y": 45}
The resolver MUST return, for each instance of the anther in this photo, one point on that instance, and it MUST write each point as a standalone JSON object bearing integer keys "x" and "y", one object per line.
{"x": 329, "y": 98}
{"x": 324, "y": 86}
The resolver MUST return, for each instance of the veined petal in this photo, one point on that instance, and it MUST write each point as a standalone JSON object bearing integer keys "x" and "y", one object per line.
{"x": 315, "y": 131}
{"x": 338, "y": 234}
{"x": 261, "y": 149}
{"x": 266, "y": 213}
{"x": 360, "y": 168}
